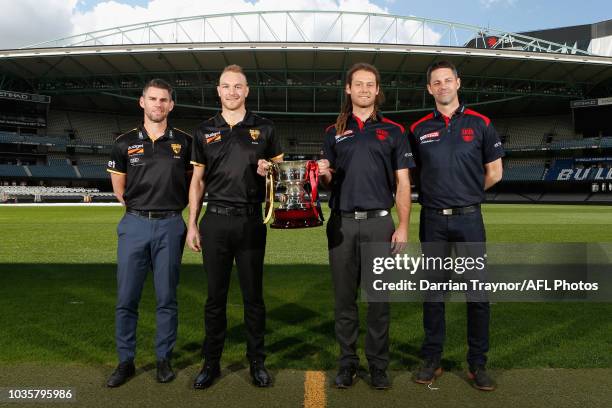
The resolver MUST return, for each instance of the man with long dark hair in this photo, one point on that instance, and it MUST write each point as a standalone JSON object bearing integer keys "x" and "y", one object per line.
{"x": 366, "y": 161}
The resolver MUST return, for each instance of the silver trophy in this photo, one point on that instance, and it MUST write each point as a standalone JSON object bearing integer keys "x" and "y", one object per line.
{"x": 297, "y": 207}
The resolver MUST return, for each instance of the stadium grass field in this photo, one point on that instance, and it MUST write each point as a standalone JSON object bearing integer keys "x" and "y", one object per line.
{"x": 57, "y": 294}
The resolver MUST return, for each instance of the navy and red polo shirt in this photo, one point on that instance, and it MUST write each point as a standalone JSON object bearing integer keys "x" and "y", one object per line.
{"x": 365, "y": 157}
{"x": 450, "y": 154}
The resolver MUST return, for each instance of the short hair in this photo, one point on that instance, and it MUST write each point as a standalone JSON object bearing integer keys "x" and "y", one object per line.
{"x": 441, "y": 64}
{"x": 158, "y": 83}
{"x": 236, "y": 69}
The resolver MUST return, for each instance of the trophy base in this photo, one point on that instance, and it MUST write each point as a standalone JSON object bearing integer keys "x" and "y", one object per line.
{"x": 285, "y": 219}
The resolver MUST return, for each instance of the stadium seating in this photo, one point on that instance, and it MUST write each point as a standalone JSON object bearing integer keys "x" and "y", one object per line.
{"x": 606, "y": 142}
{"x": 301, "y": 138}
{"x": 10, "y": 170}
{"x": 53, "y": 172}
{"x": 94, "y": 128}
{"x": 95, "y": 160}
{"x": 523, "y": 169}
{"x": 93, "y": 171}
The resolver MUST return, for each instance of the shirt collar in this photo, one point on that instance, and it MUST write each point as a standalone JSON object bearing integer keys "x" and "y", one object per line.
{"x": 357, "y": 121}
{"x": 168, "y": 133}
{"x": 248, "y": 120}
{"x": 460, "y": 110}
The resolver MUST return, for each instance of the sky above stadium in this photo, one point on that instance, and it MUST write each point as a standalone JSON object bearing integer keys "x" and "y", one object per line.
{"x": 27, "y": 22}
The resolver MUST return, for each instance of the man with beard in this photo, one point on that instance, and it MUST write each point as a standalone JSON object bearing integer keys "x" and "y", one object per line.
{"x": 149, "y": 170}
{"x": 366, "y": 161}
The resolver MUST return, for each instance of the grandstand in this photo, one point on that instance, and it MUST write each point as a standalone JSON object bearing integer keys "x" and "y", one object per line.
{"x": 77, "y": 94}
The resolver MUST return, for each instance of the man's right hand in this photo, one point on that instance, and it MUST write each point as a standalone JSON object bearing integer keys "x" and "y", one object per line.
{"x": 324, "y": 169}
{"x": 193, "y": 238}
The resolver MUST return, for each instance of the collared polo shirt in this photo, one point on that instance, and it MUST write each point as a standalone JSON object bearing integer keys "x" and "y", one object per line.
{"x": 450, "y": 154}
{"x": 157, "y": 171}
{"x": 230, "y": 155}
{"x": 364, "y": 158}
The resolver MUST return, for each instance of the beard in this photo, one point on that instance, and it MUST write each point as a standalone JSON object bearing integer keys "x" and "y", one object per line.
{"x": 156, "y": 117}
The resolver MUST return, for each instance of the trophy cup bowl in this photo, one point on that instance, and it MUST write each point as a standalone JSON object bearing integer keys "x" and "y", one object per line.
{"x": 298, "y": 208}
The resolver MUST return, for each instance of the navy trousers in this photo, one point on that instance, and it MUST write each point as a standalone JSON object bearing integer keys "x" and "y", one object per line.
{"x": 148, "y": 244}
{"x": 435, "y": 227}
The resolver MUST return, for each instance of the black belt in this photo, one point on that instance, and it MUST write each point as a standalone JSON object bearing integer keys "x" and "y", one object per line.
{"x": 248, "y": 211}
{"x": 154, "y": 214}
{"x": 362, "y": 215}
{"x": 456, "y": 210}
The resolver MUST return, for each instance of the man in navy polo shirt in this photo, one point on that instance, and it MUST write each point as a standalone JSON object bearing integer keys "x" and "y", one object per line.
{"x": 366, "y": 161}
{"x": 458, "y": 155}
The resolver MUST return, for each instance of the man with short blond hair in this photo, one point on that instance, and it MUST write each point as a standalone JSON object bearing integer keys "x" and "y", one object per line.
{"x": 231, "y": 154}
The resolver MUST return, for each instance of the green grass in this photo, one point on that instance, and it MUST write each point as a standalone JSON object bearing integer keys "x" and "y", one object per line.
{"x": 57, "y": 293}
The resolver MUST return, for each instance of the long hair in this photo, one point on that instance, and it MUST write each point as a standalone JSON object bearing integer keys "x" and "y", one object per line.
{"x": 347, "y": 105}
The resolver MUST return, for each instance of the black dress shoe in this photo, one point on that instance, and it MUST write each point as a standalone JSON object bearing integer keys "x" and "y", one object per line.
{"x": 164, "y": 371}
{"x": 429, "y": 371}
{"x": 379, "y": 379}
{"x": 481, "y": 379}
{"x": 207, "y": 376}
{"x": 259, "y": 374}
{"x": 121, "y": 374}
{"x": 345, "y": 376}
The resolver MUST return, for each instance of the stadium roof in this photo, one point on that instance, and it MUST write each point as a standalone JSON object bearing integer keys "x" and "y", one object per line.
{"x": 296, "y": 60}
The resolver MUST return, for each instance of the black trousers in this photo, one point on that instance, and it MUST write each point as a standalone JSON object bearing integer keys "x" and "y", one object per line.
{"x": 225, "y": 239}
{"x": 344, "y": 238}
{"x": 435, "y": 227}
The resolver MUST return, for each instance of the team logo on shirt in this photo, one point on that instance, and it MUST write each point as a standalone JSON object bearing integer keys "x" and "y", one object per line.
{"x": 254, "y": 133}
{"x": 344, "y": 136}
{"x": 381, "y": 134}
{"x": 467, "y": 134}
{"x": 176, "y": 148}
{"x": 430, "y": 137}
{"x": 212, "y": 137}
